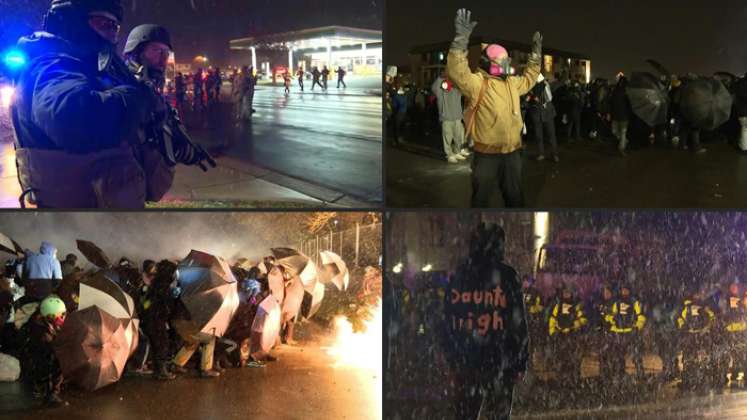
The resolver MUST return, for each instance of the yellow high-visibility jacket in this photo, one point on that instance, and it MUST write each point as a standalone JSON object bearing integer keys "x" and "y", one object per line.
{"x": 621, "y": 308}
{"x": 533, "y": 303}
{"x": 736, "y": 322}
{"x": 690, "y": 310}
{"x": 575, "y": 311}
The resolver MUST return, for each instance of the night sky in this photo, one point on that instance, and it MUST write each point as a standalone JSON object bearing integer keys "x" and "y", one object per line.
{"x": 206, "y": 26}
{"x": 700, "y": 36}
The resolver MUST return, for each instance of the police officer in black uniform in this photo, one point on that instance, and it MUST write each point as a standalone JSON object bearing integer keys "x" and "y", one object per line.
{"x": 78, "y": 112}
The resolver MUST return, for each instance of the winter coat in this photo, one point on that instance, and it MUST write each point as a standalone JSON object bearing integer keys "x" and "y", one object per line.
{"x": 43, "y": 265}
{"x": 449, "y": 103}
{"x": 498, "y": 121}
{"x": 77, "y": 115}
{"x": 539, "y": 100}
{"x": 66, "y": 103}
{"x": 485, "y": 323}
{"x": 620, "y": 104}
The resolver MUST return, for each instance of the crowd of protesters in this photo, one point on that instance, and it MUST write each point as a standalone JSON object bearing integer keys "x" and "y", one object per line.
{"x": 37, "y": 292}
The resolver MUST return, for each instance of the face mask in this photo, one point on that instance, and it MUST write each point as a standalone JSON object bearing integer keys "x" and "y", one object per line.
{"x": 58, "y": 321}
{"x": 500, "y": 62}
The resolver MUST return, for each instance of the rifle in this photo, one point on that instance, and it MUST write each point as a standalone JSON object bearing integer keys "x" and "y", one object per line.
{"x": 171, "y": 137}
{"x": 175, "y": 133}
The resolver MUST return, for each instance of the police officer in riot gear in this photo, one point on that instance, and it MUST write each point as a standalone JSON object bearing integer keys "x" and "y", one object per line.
{"x": 695, "y": 322}
{"x": 625, "y": 322}
{"x": 78, "y": 111}
{"x": 146, "y": 52}
{"x": 566, "y": 320}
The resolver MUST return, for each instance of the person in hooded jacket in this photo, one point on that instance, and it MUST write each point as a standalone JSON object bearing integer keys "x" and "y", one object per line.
{"x": 485, "y": 338}
{"x": 42, "y": 273}
{"x": 39, "y": 365}
{"x": 78, "y": 111}
{"x": 567, "y": 318}
{"x": 157, "y": 305}
{"x": 496, "y": 127}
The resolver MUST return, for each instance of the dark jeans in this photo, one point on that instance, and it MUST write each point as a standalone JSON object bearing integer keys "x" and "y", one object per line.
{"x": 574, "y": 124}
{"x": 343, "y": 83}
{"x": 502, "y": 172}
{"x": 542, "y": 131}
{"x": 158, "y": 338}
{"x": 316, "y": 82}
{"x": 691, "y": 137}
{"x": 626, "y": 344}
{"x": 489, "y": 401}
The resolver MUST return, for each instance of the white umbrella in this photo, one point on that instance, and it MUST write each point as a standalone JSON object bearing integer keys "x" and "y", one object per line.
{"x": 267, "y": 322}
{"x": 336, "y": 271}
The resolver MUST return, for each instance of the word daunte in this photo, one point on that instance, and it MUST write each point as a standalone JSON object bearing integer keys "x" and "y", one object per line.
{"x": 488, "y": 304}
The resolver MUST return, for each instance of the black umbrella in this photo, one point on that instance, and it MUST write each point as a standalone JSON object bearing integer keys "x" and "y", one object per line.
{"x": 648, "y": 98}
{"x": 740, "y": 93}
{"x": 10, "y": 246}
{"x": 705, "y": 103}
{"x": 659, "y": 68}
{"x": 93, "y": 253}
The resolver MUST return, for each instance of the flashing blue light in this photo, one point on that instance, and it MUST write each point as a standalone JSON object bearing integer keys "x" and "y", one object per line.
{"x": 14, "y": 59}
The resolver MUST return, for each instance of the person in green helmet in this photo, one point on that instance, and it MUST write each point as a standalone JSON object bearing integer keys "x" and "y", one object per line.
{"x": 39, "y": 365}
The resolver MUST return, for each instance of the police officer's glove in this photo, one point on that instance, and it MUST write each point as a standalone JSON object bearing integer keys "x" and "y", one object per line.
{"x": 463, "y": 27}
{"x": 537, "y": 46}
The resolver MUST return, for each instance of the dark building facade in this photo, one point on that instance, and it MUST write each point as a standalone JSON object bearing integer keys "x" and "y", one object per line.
{"x": 427, "y": 61}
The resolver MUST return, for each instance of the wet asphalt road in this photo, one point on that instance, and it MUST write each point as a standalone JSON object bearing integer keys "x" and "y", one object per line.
{"x": 591, "y": 174}
{"x": 302, "y": 384}
{"x": 332, "y": 138}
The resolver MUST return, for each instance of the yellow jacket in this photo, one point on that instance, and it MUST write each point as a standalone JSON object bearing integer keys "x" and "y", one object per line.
{"x": 498, "y": 121}
{"x": 640, "y": 319}
{"x": 578, "y": 321}
{"x": 533, "y": 305}
{"x": 682, "y": 319}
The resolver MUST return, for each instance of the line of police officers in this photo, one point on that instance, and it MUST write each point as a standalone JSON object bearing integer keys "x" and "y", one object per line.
{"x": 93, "y": 129}
{"x": 709, "y": 331}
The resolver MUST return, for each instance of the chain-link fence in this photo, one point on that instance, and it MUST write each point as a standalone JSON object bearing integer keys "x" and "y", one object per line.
{"x": 358, "y": 247}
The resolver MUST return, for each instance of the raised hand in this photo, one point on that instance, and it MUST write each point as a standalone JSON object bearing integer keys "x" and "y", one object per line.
{"x": 463, "y": 27}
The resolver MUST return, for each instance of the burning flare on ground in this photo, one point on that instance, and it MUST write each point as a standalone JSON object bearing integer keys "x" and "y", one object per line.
{"x": 358, "y": 349}
{"x": 361, "y": 350}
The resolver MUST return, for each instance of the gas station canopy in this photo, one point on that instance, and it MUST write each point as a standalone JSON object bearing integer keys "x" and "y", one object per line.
{"x": 309, "y": 40}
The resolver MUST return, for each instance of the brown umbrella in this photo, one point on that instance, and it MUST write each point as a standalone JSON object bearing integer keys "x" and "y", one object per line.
{"x": 92, "y": 348}
{"x": 93, "y": 253}
{"x": 209, "y": 292}
{"x": 101, "y": 289}
{"x": 10, "y": 246}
